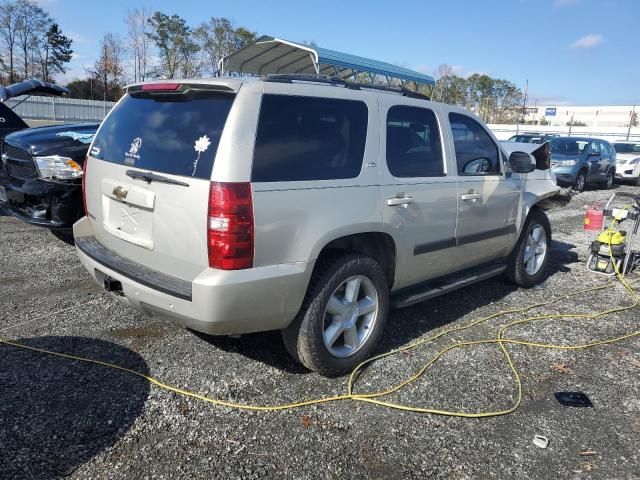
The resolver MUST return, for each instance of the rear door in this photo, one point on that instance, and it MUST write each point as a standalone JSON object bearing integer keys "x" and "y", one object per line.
{"x": 594, "y": 157}
{"x": 148, "y": 176}
{"x": 418, "y": 196}
{"x": 488, "y": 197}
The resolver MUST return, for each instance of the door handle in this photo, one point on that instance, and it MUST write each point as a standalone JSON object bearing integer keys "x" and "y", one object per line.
{"x": 400, "y": 201}
{"x": 470, "y": 197}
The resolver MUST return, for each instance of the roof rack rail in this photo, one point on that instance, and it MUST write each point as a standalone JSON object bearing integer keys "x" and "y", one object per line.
{"x": 331, "y": 80}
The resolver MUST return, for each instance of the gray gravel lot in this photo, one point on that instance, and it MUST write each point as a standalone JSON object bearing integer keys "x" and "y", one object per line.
{"x": 62, "y": 418}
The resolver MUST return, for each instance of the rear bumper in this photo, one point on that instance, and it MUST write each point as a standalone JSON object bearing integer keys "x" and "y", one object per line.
{"x": 215, "y": 302}
{"x": 54, "y": 205}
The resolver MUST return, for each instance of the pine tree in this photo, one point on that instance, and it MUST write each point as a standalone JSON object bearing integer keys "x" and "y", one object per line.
{"x": 57, "y": 52}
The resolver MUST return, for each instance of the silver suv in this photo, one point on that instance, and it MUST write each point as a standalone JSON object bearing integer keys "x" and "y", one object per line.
{"x": 311, "y": 206}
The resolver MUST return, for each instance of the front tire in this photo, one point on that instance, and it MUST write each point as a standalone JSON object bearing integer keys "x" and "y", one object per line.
{"x": 342, "y": 317}
{"x": 581, "y": 181}
{"x": 528, "y": 261}
{"x": 608, "y": 182}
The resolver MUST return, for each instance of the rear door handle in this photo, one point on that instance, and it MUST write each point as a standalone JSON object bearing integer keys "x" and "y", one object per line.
{"x": 399, "y": 201}
{"x": 470, "y": 197}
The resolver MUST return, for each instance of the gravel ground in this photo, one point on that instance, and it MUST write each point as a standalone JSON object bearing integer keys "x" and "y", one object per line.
{"x": 62, "y": 418}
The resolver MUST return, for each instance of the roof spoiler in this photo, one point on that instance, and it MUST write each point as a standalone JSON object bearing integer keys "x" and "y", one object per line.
{"x": 31, "y": 87}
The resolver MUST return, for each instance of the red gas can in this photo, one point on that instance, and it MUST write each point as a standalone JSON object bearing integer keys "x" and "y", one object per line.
{"x": 593, "y": 218}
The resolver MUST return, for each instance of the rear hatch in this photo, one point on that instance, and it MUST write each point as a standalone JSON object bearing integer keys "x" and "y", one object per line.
{"x": 148, "y": 175}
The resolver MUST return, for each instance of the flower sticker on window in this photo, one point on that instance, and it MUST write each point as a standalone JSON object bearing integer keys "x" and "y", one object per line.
{"x": 201, "y": 146}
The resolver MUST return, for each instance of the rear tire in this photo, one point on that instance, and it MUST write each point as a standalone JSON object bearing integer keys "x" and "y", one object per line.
{"x": 581, "y": 181}
{"x": 528, "y": 262}
{"x": 608, "y": 183}
{"x": 342, "y": 317}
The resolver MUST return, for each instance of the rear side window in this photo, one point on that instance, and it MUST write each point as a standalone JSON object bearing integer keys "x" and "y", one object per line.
{"x": 413, "y": 143}
{"x": 309, "y": 138}
{"x": 476, "y": 153}
{"x": 175, "y": 134}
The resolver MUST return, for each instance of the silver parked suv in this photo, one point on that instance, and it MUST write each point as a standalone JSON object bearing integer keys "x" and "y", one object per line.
{"x": 309, "y": 205}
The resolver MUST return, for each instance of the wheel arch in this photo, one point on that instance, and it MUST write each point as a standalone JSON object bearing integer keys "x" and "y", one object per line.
{"x": 375, "y": 244}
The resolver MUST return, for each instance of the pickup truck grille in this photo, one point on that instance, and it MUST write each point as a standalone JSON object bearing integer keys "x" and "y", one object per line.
{"x": 19, "y": 163}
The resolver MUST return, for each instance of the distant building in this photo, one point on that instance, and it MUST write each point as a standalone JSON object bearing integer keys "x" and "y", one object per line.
{"x": 590, "y": 116}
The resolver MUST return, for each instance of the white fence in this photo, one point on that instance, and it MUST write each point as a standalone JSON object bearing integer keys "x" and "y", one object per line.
{"x": 503, "y": 132}
{"x": 60, "y": 109}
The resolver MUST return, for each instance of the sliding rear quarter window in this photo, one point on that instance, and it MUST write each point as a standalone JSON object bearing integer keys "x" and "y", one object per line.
{"x": 169, "y": 133}
{"x": 309, "y": 138}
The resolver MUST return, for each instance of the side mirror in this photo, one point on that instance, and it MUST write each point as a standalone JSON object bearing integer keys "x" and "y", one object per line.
{"x": 522, "y": 162}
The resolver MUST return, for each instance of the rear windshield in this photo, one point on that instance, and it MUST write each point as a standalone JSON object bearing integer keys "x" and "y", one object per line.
{"x": 627, "y": 147}
{"x": 175, "y": 134}
{"x": 568, "y": 146}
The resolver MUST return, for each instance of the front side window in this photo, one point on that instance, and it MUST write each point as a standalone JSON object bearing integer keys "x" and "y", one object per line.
{"x": 476, "y": 153}
{"x": 627, "y": 147}
{"x": 414, "y": 148}
{"x": 309, "y": 138}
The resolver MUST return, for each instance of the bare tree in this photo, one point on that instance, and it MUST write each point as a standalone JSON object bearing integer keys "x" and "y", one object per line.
{"x": 218, "y": 38}
{"x": 138, "y": 41}
{"x": 108, "y": 68}
{"x": 8, "y": 33}
{"x": 32, "y": 23}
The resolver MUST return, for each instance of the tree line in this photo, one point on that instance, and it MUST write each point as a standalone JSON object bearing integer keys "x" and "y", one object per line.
{"x": 159, "y": 46}
{"x": 492, "y": 99}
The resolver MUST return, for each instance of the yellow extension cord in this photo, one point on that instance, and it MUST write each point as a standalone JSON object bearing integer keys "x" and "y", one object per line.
{"x": 374, "y": 398}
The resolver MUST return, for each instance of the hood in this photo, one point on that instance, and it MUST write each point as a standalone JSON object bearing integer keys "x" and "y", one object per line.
{"x": 71, "y": 140}
{"x": 541, "y": 152}
{"x": 30, "y": 87}
{"x": 626, "y": 157}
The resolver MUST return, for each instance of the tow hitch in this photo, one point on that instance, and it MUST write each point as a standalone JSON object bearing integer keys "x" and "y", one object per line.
{"x": 112, "y": 285}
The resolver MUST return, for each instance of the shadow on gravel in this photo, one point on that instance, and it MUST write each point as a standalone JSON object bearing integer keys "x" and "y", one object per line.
{"x": 264, "y": 347}
{"x": 406, "y": 325}
{"x": 56, "y": 414}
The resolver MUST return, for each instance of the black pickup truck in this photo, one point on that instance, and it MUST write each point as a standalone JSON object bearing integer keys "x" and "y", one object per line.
{"x": 41, "y": 168}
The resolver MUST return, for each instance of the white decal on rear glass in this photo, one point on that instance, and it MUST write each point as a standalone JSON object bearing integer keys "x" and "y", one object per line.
{"x": 200, "y": 146}
{"x": 132, "y": 155}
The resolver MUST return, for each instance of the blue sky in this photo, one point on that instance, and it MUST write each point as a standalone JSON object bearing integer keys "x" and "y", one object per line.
{"x": 571, "y": 51}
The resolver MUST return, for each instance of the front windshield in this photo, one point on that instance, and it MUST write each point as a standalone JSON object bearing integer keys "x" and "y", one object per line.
{"x": 627, "y": 147}
{"x": 568, "y": 146}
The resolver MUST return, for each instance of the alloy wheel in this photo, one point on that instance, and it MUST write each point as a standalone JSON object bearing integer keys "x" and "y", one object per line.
{"x": 535, "y": 249}
{"x": 350, "y": 316}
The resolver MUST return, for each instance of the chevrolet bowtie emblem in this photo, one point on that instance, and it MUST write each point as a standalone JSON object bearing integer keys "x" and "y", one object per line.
{"x": 120, "y": 193}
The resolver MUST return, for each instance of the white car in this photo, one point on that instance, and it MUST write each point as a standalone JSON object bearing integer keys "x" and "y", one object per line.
{"x": 628, "y": 161}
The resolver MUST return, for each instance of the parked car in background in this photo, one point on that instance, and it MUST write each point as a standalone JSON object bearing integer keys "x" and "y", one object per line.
{"x": 628, "y": 161}
{"x": 579, "y": 161}
{"x": 41, "y": 168}
{"x": 233, "y": 207}
{"x": 41, "y": 175}
{"x": 10, "y": 121}
{"x": 532, "y": 138}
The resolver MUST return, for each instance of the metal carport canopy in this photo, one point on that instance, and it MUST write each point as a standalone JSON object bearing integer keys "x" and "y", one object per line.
{"x": 274, "y": 55}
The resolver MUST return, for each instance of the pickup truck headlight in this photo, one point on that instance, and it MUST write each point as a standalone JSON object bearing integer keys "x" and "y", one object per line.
{"x": 55, "y": 166}
{"x": 565, "y": 163}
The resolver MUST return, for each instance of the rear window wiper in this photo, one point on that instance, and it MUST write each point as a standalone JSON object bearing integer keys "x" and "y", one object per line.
{"x": 152, "y": 177}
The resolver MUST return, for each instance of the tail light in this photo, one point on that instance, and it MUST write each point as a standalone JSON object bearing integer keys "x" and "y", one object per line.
{"x": 230, "y": 226}
{"x": 84, "y": 183}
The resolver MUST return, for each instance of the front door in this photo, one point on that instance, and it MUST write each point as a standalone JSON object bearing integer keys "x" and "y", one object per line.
{"x": 419, "y": 198}
{"x": 488, "y": 198}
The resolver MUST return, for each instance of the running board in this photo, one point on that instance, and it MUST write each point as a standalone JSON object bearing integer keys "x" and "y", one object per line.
{"x": 429, "y": 290}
